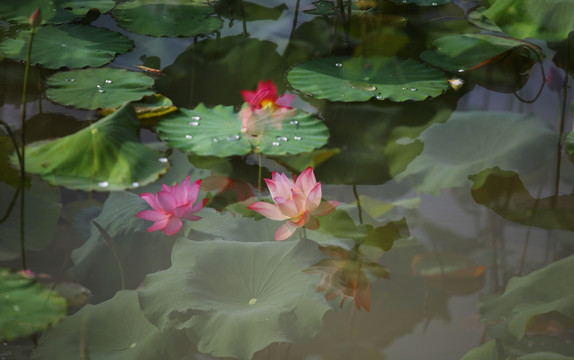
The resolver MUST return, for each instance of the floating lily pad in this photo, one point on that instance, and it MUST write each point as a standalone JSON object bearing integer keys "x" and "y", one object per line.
{"x": 71, "y": 46}
{"x": 360, "y": 79}
{"x": 54, "y": 12}
{"x": 114, "y": 330}
{"x": 422, "y": 2}
{"x": 107, "y": 155}
{"x": 458, "y": 53}
{"x": 98, "y": 88}
{"x": 547, "y": 289}
{"x": 473, "y": 141}
{"x": 217, "y": 132}
{"x": 547, "y": 20}
{"x": 168, "y": 18}
{"x": 324, "y": 8}
{"x": 26, "y": 307}
{"x": 260, "y": 297}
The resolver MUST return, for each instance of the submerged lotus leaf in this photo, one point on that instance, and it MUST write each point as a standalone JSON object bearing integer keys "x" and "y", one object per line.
{"x": 114, "y": 330}
{"x": 569, "y": 144}
{"x": 259, "y": 297}
{"x": 71, "y": 46}
{"x": 547, "y": 20}
{"x": 98, "y": 88}
{"x": 107, "y": 155}
{"x": 422, "y": 2}
{"x": 217, "y": 132}
{"x": 360, "y": 79}
{"x": 543, "y": 291}
{"x": 54, "y": 12}
{"x": 470, "y": 142}
{"x": 26, "y": 307}
{"x": 464, "y": 52}
{"x": 167, "y": 18}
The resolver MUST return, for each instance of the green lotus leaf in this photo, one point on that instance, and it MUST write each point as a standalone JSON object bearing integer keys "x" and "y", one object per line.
{"x": 495, "y": 350}
{"x": 491, "y": 350}
{"x": 98, "y": 88}
{"x": 71, "y": 46}
{"x": 55, "y": 12}
{"x": 108, "y": 155}
{"x": 464, "y": 52}
{"x": 260, "y": 297}
{"x": 217, "y": 132}
{"x": 41, "y": 212}
{"x": 360, "y": 79}
{"x": 115, "y": 329}
{"x": 569, "y": 144}
{"x": 167, "y": 18}
{"x": 470, "y": 142}
{"x": 547, "y": 20}
{"x": 548, "y": 289}
{"x": 26, "y": 307}
{"x": 422, "y": 2}
{"x": 324, "y": 8}
{"x": 248, "y": 11}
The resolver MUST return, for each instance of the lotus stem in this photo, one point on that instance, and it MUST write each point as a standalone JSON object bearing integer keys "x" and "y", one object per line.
{"x": 111, "y": 244}
{"x": 295, "y": 16}
{"x": 259, "y": 175}
{"x": 358, "y": 203}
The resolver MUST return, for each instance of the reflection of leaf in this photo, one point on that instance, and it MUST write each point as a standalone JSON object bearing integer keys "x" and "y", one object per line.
{"x": 55, "y": 12}
{"x": 360, "y": 79}
{"x": 248, "y": 11}
{"x": 473, "y": 141}
{"x": 547, "y": 20}
{"x": 98, "y": 88}
{"x": 217, "y": 132}
{"x": 445, "y": 266}
{"x": 504, "y": 192}
{"x": 26, "y": 307}
{"x": 107, "y": 155}
{"x": 545, "y": 290}
{"x": 113, "y": 330}
{"x": 167, "y": 18}
{"x": 71, "y": 46}
{"x": 261, "y": 296}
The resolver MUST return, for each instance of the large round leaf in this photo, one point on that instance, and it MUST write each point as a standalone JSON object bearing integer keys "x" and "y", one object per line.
{"x": 360, "y": 79}
{"x": 548, "y": 20}
{"x": 260, "y": 296}
{"x": 71, "y": 46}
{"x": 167, "y": 18}
{"x": 217, "y": 132}
{"x": 113, "y": 330}
{"x": 55, "y": 12}
{"x": 107, "y": 155}
{"x": 463, "y": 52}
{"x": 473, "y": 141}
{"x": 98, "y": 88}
{"x": 26, "y": 307}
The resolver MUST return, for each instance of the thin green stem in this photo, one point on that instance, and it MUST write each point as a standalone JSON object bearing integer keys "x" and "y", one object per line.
{"x": 11, "y": 206}
{"x": 561, "y": 128}
{"x": 112, "y": 245}
{"x": 295, "y": 16}
{"x": 358, "y": 199}
{"x": 259, "y": 175}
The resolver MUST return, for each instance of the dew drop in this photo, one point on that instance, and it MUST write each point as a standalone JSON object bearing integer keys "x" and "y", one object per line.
{"x": 379, "y": 97}
{"x": 135, "y": 184}
{"x": 234, "y": 137}
{"x": 252, "y": 301}
{"x": 108, "y": 81}
{"x": 72, "y": 79}
{"x": 99, "y": 86}
{"x": 434, "y": 4}
{"x": 133, "y": 345}
{"x": 16, "y": 308}
{"x": 101, "y": 90}
{"x": 64, "y": 45}
{"x": 282, "y": 138}
{"x": 275, "y": 143}
{"x": 163, "y": 160}
{"x": 339, "y": 65}
{"x": 294, "y": 122}
{"x": 460, "y": 70}
{"x": 215, "y": 140}
{"x": 413, "y": 89}
{"x": 196, "y": 118}
{"x": 103, "y": 184}
{"x": 188, "y": 137}
{"x": 297, "y": 137}
{"x": 404, "y": 1}
{"x": 404, "y": 88}
{"x": 193, "y": 123}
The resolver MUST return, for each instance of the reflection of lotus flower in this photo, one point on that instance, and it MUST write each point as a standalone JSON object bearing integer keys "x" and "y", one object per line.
{"x": 344, "y": 276}
{"x": 172, "y": 204}
{"x": 298, "y": 202}
{"x": 265, "y": 107}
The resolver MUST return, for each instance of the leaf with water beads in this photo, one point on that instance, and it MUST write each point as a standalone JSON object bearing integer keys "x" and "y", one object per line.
{"x": 107, "y": 155}
{"x": 360, "y": 79}
{"x": 71, "y": 46}
{"x": 98, "y": 88}
{"x": 217, "y": 132}
{"x": 422, "y": 2}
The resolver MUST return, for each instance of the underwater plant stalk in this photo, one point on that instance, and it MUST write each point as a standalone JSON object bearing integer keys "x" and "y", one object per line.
{"x": 562, "y": 122}
{"x": 111, "y": 244}
{"x": 295, "y": 16}
{"x": 360, "y": 210}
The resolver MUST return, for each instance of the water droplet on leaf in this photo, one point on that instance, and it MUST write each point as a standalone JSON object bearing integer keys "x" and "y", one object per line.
{"x": 339, "y": 65}
{"x": 282, "y": 138}
{"x": 361, "y": 85}
{"x": 193, "y": 123}
{"x": 108, "y": 81}
{"x": 188, "y": 137}
{"x": 297, "y": 137}
{"x": 103, "y": 184}
{"x": 163, "y": 160}
{"x": 275, "y": 143}
{"x": 196, "y": 118}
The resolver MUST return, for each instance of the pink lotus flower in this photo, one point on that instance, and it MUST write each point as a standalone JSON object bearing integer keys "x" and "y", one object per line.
{"x": 297, "y": 202}
{"x": 265, "y": 107}
{"x": 172, "y": 204}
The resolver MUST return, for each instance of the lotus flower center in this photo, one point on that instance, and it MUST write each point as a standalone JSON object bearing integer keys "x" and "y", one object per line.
{"x": 252, "y": 301}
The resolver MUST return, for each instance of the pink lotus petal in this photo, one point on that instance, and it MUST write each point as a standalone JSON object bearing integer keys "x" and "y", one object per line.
{"x": 312, "y": 223}
{"x": 166, "y": 201}
{"x": 268, "y": 210}
{"x": 306, "y": 181}
{"x": 198, "y": 206}
{"x": 287, "y": 206}
{"x": 325, "y": 207}
{"x": 192, "y": 217}
{"x": 192, "y": 191}
{"x": 285, "y": 100}
{"x": 313, "y": 198}
{"x": 285, "y": 231}
{"x": 152, "y": 215}
{"x": 173, "y": 226}
{"x": 151, "y": 200}
{"x": 158, "y": 225}
{"x": 272, "y": 188}
{"x": 306, "y": 216}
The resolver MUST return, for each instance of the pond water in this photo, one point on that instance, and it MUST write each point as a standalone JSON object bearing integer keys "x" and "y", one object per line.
{"x": 157, "y": 133}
